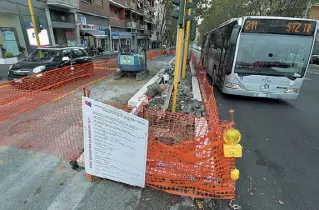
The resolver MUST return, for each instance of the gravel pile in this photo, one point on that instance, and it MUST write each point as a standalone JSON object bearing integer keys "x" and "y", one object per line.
{"x": 185, "y": 101}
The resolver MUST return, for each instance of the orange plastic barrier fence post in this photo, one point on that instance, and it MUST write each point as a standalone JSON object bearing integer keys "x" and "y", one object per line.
{"x": 89, "y": 177}
{"x": 149, "y": 56}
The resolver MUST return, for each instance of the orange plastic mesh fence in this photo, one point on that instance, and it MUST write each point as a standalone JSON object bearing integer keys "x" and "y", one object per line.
{"x": 54, "y": 127}
{"x": 27, "y": 93}
{"x": 185, "y": 153}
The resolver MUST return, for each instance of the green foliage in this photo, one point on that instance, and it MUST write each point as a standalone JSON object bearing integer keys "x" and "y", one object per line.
{"x": 219, "y": 11}
{"x": 8, "y": 55}
{"x": 171, "y": 31}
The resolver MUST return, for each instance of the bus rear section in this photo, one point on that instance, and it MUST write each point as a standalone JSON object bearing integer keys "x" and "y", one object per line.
{"x": 271, "y": 57}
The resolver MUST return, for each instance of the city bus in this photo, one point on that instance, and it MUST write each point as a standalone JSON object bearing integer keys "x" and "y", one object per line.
{"x": 259, "y": 56}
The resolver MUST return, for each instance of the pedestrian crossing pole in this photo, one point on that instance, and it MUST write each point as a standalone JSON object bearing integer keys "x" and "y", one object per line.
{"x": 180, "y": 33}
{"x": 186, "y": 42}
{"x": 34, "y": 23}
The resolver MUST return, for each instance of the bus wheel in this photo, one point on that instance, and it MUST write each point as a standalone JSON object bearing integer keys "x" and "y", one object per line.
{"x": 214, "y": 79}
{"x": 209, "y": 79}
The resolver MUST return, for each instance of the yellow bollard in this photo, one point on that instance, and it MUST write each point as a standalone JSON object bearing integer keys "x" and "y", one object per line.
{"x": 231, "y": 147}
{"x": 234, "y": 174}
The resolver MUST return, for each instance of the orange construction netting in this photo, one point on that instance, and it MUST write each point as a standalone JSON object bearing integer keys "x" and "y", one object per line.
{"x": 185, "y": 153}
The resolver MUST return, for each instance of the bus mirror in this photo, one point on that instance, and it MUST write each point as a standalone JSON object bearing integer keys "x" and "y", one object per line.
{"x": 234, "y": 34}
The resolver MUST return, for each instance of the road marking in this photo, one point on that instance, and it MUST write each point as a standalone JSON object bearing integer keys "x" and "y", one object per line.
{"x": 171, "y": 61}
{"x": 90, "y": 83}
{"x": 313, "y": 72}
{"x": 307, "y": 78}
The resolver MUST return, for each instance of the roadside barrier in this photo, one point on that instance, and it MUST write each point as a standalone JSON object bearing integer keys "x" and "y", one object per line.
{"x": 27, "y": 93}
{"x": 185, "y": 154}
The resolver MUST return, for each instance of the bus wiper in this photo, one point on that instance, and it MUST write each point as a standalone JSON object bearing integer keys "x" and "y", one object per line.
{"x": 269, "y": 64}
{"x": 243, "y": 65}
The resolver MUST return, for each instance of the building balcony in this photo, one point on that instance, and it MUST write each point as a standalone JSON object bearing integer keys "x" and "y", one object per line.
{"x": 118, "y": 3}
{"x": 140, "y": 26}
{"x": 147, "y": 32}
{"x": 118, "y": 22}
{"x": 69, "y": 4}
{"x": 131, "y": 25}
{"x": 131, "y": 5}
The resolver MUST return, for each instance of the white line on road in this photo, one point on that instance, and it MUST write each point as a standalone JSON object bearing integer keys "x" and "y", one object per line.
{"x": 307, "y": 78}
{"x": 313, "y": 72}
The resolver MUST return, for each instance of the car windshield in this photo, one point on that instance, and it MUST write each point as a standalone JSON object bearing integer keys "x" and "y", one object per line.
{"x": 273, "y": 54}
{"x": 40, "y": 55}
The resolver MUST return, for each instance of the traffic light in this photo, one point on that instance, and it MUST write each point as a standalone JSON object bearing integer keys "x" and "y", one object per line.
{"x": 193, "y": 6}
{"x": 180, "y": 12}
{"x": 193, "y": 30}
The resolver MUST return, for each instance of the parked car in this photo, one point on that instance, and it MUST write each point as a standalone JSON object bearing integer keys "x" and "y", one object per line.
{"x": 315, "y": 59}
{"x": 47, "y": 66}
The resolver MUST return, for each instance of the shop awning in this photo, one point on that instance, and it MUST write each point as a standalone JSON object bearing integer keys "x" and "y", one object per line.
{"x": 142, "y": 37}
{"x": 96, "y": 33}
{"x": 121, "y": 35}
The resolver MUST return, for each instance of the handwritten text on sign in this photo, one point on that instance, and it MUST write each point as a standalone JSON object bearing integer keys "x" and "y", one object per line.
{"x": 115, "y": 143}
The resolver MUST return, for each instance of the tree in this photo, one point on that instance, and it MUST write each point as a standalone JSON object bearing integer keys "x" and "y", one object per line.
{"x": 220, "y": 11}
{"x": 163, "y": 10}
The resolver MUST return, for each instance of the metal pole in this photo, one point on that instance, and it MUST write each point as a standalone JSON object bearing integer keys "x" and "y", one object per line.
{"x": 186, "y": 43}
{"x": 34, "y": 23}
{"x": 178, "y": 65}
{"x": 179, "y": 53}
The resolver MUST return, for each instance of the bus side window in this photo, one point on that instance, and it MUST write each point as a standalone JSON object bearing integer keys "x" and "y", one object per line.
{"x": 230, "y": 50}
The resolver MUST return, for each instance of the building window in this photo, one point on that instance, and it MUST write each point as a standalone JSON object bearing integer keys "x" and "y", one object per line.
{"x": 87, "y": 1}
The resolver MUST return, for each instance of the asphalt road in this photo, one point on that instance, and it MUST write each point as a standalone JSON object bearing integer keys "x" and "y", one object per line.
{"x": 280, "y": 164}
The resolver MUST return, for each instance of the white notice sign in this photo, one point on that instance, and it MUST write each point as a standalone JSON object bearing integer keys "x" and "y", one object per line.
{"x": 115, "y": 143}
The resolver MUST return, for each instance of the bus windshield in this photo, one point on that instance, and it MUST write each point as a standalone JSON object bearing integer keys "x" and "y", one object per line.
{"x": 273, "y": 54}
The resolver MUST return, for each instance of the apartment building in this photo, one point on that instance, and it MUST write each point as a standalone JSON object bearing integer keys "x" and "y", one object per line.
{"x": 16, "y": 30}
{"x": 131, "y": 23}
{"x": 79, "y": 22}
{"x": 106, "y": 24}
{"x": 93, "y": 22}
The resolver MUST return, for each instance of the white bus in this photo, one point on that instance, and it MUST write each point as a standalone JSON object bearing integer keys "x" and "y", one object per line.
{"x": 259, "y": 56}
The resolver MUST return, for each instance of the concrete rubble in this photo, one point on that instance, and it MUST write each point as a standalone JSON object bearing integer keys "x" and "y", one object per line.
{"x": 159, "y": 92}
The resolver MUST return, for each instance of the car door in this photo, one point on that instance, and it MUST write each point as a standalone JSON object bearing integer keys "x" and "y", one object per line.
{"x": 82, "y": 62}
{"x": 79, "y": 56}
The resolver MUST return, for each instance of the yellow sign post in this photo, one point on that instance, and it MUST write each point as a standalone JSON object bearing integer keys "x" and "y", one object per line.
{"x": 178, "y": 63}
{"x": 186, "y": 44}
{"x": 34, "y": 23}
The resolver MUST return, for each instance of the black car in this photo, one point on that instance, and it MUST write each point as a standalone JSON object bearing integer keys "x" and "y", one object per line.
{"x": 315, "y": 59}
{"x": 51, "y": 65}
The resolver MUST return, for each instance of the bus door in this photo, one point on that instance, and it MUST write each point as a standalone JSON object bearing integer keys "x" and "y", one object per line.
{"x": 224, "y": 45}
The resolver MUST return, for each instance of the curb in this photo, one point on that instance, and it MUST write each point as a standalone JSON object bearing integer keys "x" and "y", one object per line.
{"x": 195, "y": 85}
{"x": 139, "y": 97}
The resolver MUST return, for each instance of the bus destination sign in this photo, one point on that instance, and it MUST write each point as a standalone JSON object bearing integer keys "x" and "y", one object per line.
{"x": 280, "y": 26}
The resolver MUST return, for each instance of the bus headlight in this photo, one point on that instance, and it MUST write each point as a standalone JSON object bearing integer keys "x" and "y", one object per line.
{"x": 292, "y": 90}
{"x": 233, "y": 86}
